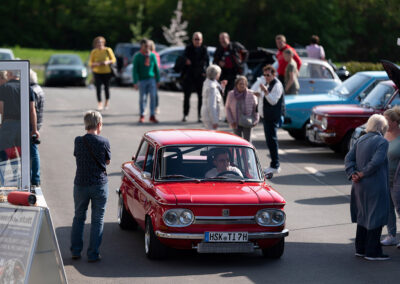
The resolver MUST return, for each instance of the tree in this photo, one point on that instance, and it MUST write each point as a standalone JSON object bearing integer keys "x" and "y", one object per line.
{"x": 176, "y": 34}
{"x": 137, "y": 29}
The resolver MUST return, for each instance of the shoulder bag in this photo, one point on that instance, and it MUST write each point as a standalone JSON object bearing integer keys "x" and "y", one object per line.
{"x": 244, "y": 120}
{"x": 113, "y": 66}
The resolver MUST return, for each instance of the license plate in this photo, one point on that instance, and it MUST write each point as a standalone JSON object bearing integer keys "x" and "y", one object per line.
{"x": 226, "y": 237}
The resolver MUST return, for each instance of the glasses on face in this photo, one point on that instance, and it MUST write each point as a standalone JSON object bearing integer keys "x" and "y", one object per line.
{"x": 267, "y": 74}
{"x": 196, "y": 39}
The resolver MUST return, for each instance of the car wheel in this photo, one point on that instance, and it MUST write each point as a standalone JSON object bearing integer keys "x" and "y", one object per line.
{"x": 336, "y": 148}
{"x": 345, "y": 144}
{"x": 154, "y": 249}
{"x": 275, "y": 251}
{"x": 125, "y": 220}
{"x": 297, "y": 134}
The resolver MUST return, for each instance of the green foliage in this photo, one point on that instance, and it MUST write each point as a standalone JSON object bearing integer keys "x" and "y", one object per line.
{"x": 364, "y": 30}
{"x": 137, "y": 29}
{"x": 354, "y": 66}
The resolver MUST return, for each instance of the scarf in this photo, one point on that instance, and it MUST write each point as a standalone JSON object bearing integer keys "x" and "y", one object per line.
{"x": 238, "y": 95}
{"x": 146, "y": 58}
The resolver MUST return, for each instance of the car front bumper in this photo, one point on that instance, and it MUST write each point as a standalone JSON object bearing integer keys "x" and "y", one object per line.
{"x": 252, "y": 236}
{"x": 315, "y": 135}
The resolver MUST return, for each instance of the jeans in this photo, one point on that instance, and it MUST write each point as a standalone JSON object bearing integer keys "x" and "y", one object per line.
{"x": 368, "y": 242}
{"x": 394, "y": 206}
{"x": 147, "y": 86}
{"x": 97, "y": 194}
{"x": 243, "y": 132}
{"x": 35, "y": 164}
{"x": 270, "y": 129}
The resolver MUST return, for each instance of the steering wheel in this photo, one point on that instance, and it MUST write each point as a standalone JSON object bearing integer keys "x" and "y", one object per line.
{"x": 228, "y": 172}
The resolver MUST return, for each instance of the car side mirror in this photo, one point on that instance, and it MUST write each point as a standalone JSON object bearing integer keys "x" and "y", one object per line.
{"x": 268, "y": 175}
{"x": 133, "y": 158}
{"x": 146, "y": 175}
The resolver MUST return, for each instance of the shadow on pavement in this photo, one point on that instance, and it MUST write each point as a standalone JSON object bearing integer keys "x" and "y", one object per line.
{"x": 330, "y": 200}
{"x": 329, "y": 178}
{"x": 123, "y": 256}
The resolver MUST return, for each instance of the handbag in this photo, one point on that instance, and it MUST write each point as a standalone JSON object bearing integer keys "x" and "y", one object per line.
{"x": 113, "y": 66}
{"x": 245, "y": 120}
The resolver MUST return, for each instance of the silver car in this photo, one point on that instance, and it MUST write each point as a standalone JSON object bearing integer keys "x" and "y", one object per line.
{"x": 6, "y": 54}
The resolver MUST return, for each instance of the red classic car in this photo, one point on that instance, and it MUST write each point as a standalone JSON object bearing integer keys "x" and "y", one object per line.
{"x": 203, "y": 190}
{"x": 334, "y": 124}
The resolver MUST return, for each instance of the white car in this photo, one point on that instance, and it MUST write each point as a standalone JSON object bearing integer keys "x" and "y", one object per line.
{"x": 6, "y": 54}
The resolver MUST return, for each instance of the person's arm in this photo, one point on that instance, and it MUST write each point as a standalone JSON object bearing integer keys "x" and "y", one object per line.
{"x": 291, "y": 80}
{"x": 135, "y": 70}
{"x": 228, "y": 110}
{"x": 108, "y": 153}
{"x": 275, "y": 94}
{"x": 350, "y": 162}
{"x": 296, "y": 58}
{"x": 111, "y": 56}
{"x": 92, "y": 63}
{"x": 377, "y": 160}
{"x": 322, "y": 52}
{"x": 33, "y": 119}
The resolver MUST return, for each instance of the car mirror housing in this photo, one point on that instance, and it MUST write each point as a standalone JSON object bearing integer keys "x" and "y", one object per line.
{"x": 268, "y": 176}
{"x": 146, "y": 175}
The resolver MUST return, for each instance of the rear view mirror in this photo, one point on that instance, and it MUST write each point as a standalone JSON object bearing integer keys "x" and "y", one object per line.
{"x": 146, "y": 175}
{"x": 268, "y": 175}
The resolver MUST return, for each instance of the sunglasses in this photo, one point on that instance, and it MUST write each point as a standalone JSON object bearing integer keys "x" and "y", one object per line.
{"x": 267, "y": 74}
{"x": 196, "y": 39}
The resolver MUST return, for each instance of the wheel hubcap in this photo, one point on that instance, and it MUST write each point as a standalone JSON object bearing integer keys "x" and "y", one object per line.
{"x": 120, "y": 208}
{"x": 147, "y": 238}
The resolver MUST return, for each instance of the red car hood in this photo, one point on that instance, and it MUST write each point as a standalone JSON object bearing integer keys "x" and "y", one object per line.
{"x": 221, "y": 193}
{"x": 336, "y": 110}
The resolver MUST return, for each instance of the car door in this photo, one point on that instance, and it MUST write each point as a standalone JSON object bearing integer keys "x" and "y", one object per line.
{"x": 315, "y": 79}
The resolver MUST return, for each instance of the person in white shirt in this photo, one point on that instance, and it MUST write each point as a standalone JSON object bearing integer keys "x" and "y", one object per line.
{"x": 270, "y": 93}
{"x": 222, "y": 164}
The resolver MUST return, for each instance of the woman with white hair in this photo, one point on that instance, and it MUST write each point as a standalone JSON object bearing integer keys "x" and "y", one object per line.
{"x": 211, "y": 109}
{"x": 367, "y": 166}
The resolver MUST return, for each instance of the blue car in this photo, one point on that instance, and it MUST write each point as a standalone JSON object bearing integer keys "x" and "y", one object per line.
{"x": 351, "y": 91}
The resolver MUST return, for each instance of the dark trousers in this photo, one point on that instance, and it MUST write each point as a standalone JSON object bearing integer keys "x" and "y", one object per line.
{"x": 368, "y": 242}
{"x": 102, "y": 79}
{"x": 270, "y": 130}
{"x": 230, "y": 76}
{"x": 190, "y": 85}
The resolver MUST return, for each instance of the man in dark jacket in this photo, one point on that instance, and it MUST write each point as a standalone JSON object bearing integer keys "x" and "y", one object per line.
{"x": 231, "y": 57}
{"x": 196, "y": 62}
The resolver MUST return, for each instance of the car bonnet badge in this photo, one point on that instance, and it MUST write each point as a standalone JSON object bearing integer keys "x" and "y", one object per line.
{"x": 225, "y": 212}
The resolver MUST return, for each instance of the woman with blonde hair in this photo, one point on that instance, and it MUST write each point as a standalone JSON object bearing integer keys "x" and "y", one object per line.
{"x": 366, "y": 166}
{"x": 101, "y": 57}
{"x": 241, "y": 108}
{"x": 393, "y": 136}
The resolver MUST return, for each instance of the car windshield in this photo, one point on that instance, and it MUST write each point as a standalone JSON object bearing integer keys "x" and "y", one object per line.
{"x": 65, "y": 60}
{"x": 348, "y": 87}
{"x": 170, "y": 57}
{"x": 5, "y": 56}
{"x": 379, "y": 96}
{"x": 207, "y": 163}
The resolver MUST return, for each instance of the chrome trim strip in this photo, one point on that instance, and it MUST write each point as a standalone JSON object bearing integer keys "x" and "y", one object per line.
{"x": 229, "y": 204}
{"x": 224, "y": 220}
{"x": 253, "y": 236}
{"x": 326, "y": 134}
{"x": 143, "y": 191}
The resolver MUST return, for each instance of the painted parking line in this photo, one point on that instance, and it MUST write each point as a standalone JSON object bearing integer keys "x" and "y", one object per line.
{"x": 314, "y": 171}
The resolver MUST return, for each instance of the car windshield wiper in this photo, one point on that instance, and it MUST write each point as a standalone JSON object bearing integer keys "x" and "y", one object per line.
{"x": 178, "y": 177}
{"x": 225, "y": 178}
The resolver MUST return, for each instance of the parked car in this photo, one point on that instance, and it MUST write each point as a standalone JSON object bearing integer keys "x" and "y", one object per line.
{"x": 351, "y": 91}
{"x": 65, "y": 69}
{"x": 164, "y": 191}
{"x": 124, "y": 52}
{"x": 334, "y": 125}
{"x": 6, "y": 54}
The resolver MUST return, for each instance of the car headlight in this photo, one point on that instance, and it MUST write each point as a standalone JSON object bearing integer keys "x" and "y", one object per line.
{"x": 178, "y": 217}
{"x": 84, "y": 73}
{"x": 324, "y": 123}
{"x": 270, "y": 217}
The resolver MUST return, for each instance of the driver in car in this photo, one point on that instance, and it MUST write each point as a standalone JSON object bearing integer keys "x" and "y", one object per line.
{"x": 222, "y": 165}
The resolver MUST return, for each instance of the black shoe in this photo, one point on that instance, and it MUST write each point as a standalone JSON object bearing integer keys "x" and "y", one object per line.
{"x": 75, "y": 257}
{"x": 380, "y": 257}
{"x": 95, "y": 259}
{"x": 184, "y": 119}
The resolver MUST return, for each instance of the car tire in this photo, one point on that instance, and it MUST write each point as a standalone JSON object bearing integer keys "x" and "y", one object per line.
{"x": 345, "y": 144}
{"x": 153, "y": 248}
{"x": 125, "y": 220}
{"x": 275, "y": 251}
{"x": 297, "y": 134}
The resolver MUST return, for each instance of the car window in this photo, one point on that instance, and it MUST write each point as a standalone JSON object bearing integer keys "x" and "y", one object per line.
{"x": 201, "y": 162}
{"x": 5, "y": 56}
{"x": 65, "y": 60}
{"x": 396, "y": 100}
{"x": 149, "y": 160}
{"x": 351, "y": 85}
{"x": 314, "y": 71}
{"x": 141, "y": 154}
{"x": 379, "y": 96}
{"x": 170, "y": 57}
{"x": 367, "y": 90}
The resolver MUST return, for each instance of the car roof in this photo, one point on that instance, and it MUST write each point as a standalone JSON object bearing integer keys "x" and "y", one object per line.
{"x": 6, "y": 50}
{"x": 65, "y": 55}
{"x": 194, "y": 137}
{"x": 175, "y": 48}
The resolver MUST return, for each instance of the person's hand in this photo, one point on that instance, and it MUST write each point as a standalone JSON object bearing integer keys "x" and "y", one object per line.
{"x": 224, "y": 83}
{"x": 221, "y": 63}
{"x": 234, "y": 125}
{"x": 357, "y": 176}
{"x": 215, "y": 126}
{"x": 35, "y": 132}
{"x": 188, "y": 62}
{"x": 135, "y": 86}
{"x": 264, "y": 89}
{"x": 257, "y": 94}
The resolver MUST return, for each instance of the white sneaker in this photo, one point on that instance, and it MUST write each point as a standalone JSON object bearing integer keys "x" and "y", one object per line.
{"x": 389, "y": 240}
{"x": 272, "y": 170}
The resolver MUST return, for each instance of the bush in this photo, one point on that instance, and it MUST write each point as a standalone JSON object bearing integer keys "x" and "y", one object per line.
{"x": 354, "y": 66}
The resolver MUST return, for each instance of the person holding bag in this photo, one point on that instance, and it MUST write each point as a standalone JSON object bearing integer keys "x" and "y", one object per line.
{"x": 92, "y": 153}
{"x": 241, "y": 109}
{"x": 101, "y": 61}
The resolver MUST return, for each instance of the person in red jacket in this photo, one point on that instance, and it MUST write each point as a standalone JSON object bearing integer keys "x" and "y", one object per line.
{"x": 282, "y": 63}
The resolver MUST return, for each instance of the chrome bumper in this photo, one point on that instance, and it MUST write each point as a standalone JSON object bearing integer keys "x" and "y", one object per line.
{"x": 252, "y": 236}
{"x": 317, "y": 136}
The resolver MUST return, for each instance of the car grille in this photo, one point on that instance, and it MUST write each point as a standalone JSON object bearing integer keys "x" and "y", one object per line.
{"x": 225, "y": 247}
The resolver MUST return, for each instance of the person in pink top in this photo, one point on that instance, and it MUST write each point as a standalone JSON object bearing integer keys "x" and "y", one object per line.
{"x": 281, "y": 44}
{"x": 241, "y": 109}
{"x": 314, "y": 50}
